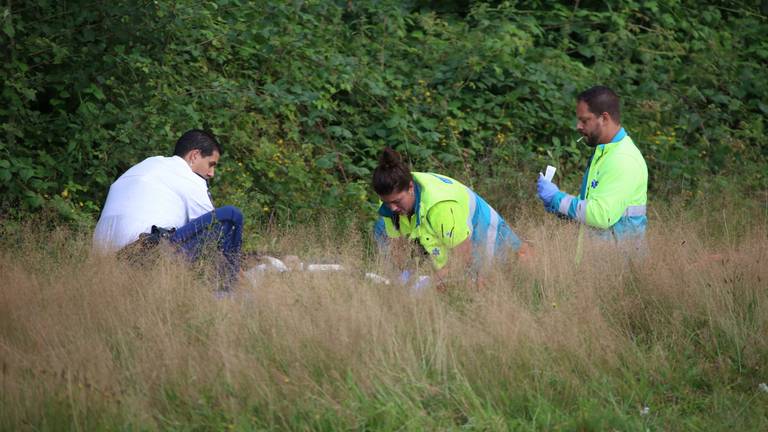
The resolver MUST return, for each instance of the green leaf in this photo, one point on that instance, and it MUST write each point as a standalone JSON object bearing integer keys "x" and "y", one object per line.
{"x": 326, "y": 161}
{"x": 340, "y": 132}
{"x": 8, "y": 28}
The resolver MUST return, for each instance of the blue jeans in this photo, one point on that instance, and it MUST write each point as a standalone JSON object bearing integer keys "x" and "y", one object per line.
{"x": 224, "y": 227}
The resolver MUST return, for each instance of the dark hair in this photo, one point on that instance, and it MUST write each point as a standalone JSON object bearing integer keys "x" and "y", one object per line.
{"x": 600, "y": 99}
{"x": 197, "y": 139}
{"x": 392, "y": 174}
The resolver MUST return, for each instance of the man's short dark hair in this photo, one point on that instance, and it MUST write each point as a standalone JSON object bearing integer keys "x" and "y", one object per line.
{"x": 600, "y": 99}
{"x": 197, "y": 139}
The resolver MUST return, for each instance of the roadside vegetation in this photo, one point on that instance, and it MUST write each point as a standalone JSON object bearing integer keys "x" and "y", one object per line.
{"x": 305, "y": 94}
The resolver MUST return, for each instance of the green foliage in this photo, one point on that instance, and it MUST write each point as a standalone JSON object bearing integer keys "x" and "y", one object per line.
{"x": 305, "y": 94}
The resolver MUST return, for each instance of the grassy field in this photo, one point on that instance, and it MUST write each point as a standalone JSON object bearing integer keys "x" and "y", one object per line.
{"x": 677, "y": 341}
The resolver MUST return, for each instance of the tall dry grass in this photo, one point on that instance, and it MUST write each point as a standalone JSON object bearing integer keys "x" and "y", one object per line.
{"x": 87, "y": 342}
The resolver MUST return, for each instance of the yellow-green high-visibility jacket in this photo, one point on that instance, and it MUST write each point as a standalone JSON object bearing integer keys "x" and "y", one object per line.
{"x": 446, "y": 213}
{"x": 613, "y": 192}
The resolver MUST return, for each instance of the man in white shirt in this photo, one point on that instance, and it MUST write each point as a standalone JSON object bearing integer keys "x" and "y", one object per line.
{"x": 172, "y": 193}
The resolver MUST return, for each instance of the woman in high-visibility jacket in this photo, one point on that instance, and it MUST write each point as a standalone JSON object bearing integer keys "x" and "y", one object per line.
{"x": 449, "y": 220}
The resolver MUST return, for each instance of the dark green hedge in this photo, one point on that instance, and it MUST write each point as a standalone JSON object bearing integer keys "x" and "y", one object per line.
{"x": 304, "y": 94}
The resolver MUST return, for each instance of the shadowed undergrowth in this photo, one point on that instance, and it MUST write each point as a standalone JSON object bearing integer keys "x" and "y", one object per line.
{"x": 673, "y": 341}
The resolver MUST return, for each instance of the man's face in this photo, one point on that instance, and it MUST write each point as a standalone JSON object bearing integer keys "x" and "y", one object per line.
{"x": 204, "y": 166}
{"x": 588, "y": 124}
{"x": 402, "y": 202}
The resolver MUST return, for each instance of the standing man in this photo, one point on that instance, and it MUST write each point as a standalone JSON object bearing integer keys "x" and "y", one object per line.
{"x": 169, "y": 195}
{"x": 613, "y": 192}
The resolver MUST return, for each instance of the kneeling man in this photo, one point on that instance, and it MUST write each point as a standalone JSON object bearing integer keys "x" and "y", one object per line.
{"x": 169, "y": 196}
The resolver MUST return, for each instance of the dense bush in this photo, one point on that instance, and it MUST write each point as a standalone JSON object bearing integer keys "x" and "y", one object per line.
{"x": 304, "y": 94}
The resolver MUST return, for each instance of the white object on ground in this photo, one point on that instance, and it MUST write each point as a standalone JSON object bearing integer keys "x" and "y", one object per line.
{"x": 255, "y": 273}
{"x": 293, "y": 263}
{"x": 324, "y": 267}
{"x": 376, "y": 278}
{"x": 763, "y": 387}
{"x": 276, "y": 263}
{"x": 259, "y": 268}
{"x": 549, "y": 174}
{"x": 645, "y": 411}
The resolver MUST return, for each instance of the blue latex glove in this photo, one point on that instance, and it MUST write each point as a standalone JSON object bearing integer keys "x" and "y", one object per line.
{"x": 421, "y": 283}
{"x": 546, "y": 190}
{"x": 417, "y": 283}
{"x": 405, "y": 276}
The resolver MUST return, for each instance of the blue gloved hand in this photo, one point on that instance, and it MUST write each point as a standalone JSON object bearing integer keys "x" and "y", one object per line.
{"x": 405, "y": 276}
{"x": 546, "y": 190}
{"x": 420, "y": 285}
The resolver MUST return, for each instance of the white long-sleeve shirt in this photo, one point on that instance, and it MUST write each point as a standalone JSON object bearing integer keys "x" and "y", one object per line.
{"x": 162, "y": 191}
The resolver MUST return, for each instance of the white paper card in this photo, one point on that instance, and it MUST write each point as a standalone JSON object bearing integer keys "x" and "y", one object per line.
{"x": 550, "y": 173}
